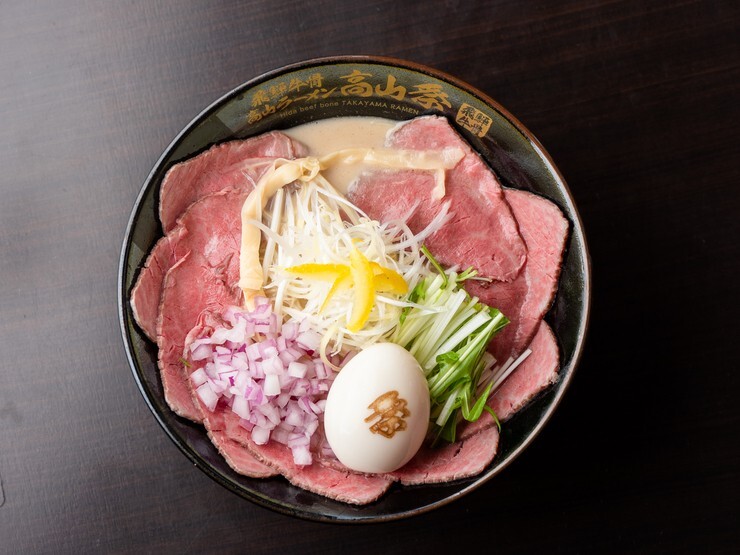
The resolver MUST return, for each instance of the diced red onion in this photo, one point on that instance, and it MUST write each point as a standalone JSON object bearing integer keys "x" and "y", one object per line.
{"x": 312, "y": 424}
{"x": 230, "y": 314}
{"x": 256, "y": 395}
{"x": 242, "y": 381}
{"x": 301, "y": 456}
{"x": 305, "y": 403}
{"x": 201, "y": 352}
{"x": 283, "y": 399}
{"x": 321, "y": 372}
{"x": 298, "y": 440}
{"x": 270, "y": 412}
{"x": 286, "y": 358}
{"x": 290, "y": 331}
{"x": 286, "y": 382}
{"x": 216, "y": 386}
{"x": 257, "y": 371}
{"x": 294, "y": 417}
{"x": 239, "y": 362}
{"x": 241, "y": 407}
{"x": 258, "y": 419}
{"x": 273, "y": 366}
{"x": 198, "y": 378}
{"x": 272, "y": 385}
{"x": 295, "y": 353}
{"x": 208, "y": 396}
{"x": 280, "y": 435}
{"x": 309, "y": 340}
{"x": 260, "y": 435}
{"x": 253, "y": 352}
{"x": 300, "y": 388}
{"x": 297, "y": 370}
{"x": 274, "y": 381}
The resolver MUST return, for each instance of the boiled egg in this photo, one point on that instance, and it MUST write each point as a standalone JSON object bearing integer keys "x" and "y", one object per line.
{"x": 377, "y": 410}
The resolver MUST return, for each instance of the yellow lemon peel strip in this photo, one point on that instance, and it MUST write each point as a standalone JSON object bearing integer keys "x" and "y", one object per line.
{"x": 364, "y": 292}
{"x": 322, "y": 272}
{"x": 386, "y": 280}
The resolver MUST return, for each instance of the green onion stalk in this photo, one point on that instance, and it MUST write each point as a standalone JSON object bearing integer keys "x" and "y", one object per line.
{"x": 448, "y": 332}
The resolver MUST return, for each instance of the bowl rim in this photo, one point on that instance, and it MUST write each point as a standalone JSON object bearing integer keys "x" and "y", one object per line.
{"x": 577, "y": 229}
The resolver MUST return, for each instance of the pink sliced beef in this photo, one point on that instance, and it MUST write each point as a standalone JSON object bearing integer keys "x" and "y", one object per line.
{"x": 454, "y": 461}
{"x": 233, "y": 164}
{"x": 204, "y": 278}
{"x": 181, "y": 188}
{"x": 525, "y": 300}
{"x": 345, "y": 486}
{"x": 147, "y": 293}
{"x": 536, "y": 373}
{"x": 240, "y": 458}
{"x": 236, "y": 164}
{"x": 482, "y": 232}
{"x": 176, "y": 390}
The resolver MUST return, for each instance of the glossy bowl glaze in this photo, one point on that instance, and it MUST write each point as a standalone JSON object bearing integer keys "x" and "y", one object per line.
{"x": 360, "y": 86}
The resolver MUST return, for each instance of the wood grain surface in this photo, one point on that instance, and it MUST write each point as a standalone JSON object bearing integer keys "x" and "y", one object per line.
{"x": 636, "y": 101}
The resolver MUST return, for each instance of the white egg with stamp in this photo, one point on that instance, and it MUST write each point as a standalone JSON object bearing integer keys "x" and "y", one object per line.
{"x": 377, "y": 411}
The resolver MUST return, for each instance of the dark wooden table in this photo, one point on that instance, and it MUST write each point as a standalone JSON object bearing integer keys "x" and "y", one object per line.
{"x": 636, "y": 101}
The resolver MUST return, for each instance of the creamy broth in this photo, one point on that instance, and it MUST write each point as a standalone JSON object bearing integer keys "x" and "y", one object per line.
{"x": 329, "y": 135}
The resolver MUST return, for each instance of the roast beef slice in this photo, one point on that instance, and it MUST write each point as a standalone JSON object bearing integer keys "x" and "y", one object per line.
{"x": 525, "y": 300}
{"x": 462, "y": 459}
{"x": 147, "y": 293}
{"x": 538, "y": 371}
{"x": 342, "y": 485}
{"x": 240, "y": 458}
{"x": 482, "y": 231}
{"x": 236, "y": 164}
{"x": 204, "y": 278}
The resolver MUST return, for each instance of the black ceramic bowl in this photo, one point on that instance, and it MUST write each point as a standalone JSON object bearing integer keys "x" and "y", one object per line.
{"x": 360, "y": 86}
